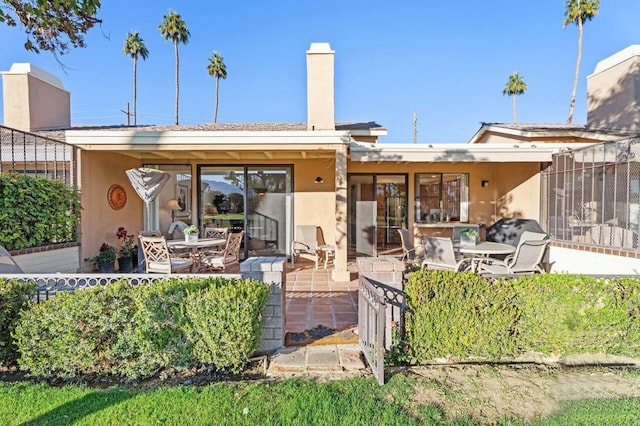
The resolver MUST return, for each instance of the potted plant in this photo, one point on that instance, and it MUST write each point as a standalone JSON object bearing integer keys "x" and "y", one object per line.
{"x": 106, "y": 258}
{"x": 126, "y": 251}
{"x": 191, "y": 234}
{"x": 469, "y": 237}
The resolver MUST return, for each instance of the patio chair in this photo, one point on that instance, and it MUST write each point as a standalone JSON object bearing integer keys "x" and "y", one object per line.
{"x": 526, "y": 260}
{"x": 211, "y": 232}
{"x": 230, "y": 254}
{"x": 218, "y": 233}
{"x": 306, "y": 242}
{"x": 532, "y": 236}
{"x": 439, "y": 255}
{"x": 408, "y": 249}
{"x": 158, "y": 259}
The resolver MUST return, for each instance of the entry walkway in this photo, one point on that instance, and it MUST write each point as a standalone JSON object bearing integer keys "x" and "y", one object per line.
{"x": 314, "y": 299}
{"x": 337, "y": 361}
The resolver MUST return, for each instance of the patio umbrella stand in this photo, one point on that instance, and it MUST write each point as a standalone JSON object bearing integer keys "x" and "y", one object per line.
{"x": 148, "y": 183}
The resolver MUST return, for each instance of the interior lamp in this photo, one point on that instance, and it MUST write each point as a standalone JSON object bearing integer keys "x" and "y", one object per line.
{"x": 173, "y": 206}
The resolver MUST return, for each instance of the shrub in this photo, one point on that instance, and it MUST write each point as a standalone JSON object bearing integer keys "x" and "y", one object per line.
{"x": 138, "y": 331}
{"x": 72, "y": 333}
{"x": 224, "y": 322}
{"x": 156, "y": 339}
{"x": 459, "y": 315}
{"x": 463, "y": 315}
{"x": 568, "y": 314}
{"x": 14, "y": 298}
{"x": 36, "y": 211}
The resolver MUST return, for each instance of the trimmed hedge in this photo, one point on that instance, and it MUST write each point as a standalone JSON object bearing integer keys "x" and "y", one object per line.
{"x": 14, "y": 298}
{"x": 36, "y": 211}
{"x": 139, "y": 331}
{"x": 462, "y": 315}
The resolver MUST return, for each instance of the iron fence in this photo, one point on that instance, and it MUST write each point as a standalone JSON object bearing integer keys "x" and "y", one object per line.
{"x": 592, "y": 195}
{"x": 35, "y": 155}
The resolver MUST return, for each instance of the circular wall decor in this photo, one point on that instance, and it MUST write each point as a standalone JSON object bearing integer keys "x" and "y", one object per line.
{"x": 117, "y": 196}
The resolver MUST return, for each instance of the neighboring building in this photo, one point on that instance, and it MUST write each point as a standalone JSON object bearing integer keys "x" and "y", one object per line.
{"x": 267, "y": 178}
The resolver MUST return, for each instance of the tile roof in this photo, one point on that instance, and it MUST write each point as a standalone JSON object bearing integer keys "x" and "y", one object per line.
{"x": 220, "y": 127}
{"x": 549, "y": 127}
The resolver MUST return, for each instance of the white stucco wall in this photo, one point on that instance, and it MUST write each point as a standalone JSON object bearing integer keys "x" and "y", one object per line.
{"x": 584, "y": 262}
{"x": 64, "y": 260}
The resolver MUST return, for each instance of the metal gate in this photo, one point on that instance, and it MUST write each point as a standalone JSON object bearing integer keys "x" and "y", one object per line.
{"x": 372, "y": 309}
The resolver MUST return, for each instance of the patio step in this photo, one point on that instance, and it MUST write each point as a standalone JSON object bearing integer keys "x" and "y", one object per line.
{"x": 331, "y": 360}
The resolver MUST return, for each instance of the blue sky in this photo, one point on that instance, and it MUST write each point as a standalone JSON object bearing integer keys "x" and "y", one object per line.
{"x": 446, "y": 61}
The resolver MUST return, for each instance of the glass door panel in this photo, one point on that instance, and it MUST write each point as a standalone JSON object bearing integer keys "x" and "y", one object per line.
{"x": 391, "y": 195}
{"x": 361, "y": 219}
{"x": 268, "y": 210}
{"x": 222, "y": 198}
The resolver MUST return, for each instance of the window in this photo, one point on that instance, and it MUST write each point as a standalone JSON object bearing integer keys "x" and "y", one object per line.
{"x": 442, "y": 197}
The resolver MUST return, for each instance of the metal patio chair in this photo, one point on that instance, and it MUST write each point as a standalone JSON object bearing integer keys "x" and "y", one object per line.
{"x": 439, "y": 254}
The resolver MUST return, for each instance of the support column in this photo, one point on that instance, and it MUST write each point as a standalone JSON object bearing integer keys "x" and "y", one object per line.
{"x": 340, "y": 272}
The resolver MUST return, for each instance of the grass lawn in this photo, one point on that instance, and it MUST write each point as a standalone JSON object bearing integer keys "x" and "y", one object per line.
{"x": 355, "y": 401}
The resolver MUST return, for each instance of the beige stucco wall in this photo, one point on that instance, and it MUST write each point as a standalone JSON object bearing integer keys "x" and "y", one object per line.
{"x": 320, "y": 87}
{"x": 32, "y": 104}
{"x": 314, "y": 203}
{"x": 614, "y": 96}
{"x": 100, "y": 223}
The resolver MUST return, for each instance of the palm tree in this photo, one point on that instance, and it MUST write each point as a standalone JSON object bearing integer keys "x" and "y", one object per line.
{"x": 218, "y": 69}
{"x": 135, "y": 47}
{"x": 515, "y": 86}
{"x": 578, "y": 12}
{"x": 174, "y": 28}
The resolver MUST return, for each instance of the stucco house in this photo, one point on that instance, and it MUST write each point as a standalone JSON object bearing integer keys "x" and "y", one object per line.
{"x": 266, "y": 178}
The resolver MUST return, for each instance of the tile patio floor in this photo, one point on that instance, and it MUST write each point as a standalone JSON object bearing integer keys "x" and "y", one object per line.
{"x": 313, "y": 298}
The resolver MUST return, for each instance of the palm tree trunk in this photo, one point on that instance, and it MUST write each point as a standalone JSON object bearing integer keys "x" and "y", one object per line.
{"x": 135, "y": 112}
{"x": 575, "y": 79}
{"x": 215, "y": 115}
{"x": 513, "y": 106}
{"x": 175, "y": 44}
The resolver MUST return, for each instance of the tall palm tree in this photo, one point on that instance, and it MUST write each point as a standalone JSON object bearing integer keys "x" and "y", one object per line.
{"x": 515, "y": 86}
{"x": 135, "y": 47}
{"x": 218, "y": 69}
{"x": 174, "y": 28}
{"x": 578, "y": 12}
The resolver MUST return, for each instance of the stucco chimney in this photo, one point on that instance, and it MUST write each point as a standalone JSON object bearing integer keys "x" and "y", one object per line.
{"x": 613, "y": 92}
{"x": 33, "y": 99}
{"x": 320, "y": 101}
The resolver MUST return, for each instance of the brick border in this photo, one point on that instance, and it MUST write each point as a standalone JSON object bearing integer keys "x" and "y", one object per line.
{"x": 597, "y": 249}
{"x": 40, "y": 249}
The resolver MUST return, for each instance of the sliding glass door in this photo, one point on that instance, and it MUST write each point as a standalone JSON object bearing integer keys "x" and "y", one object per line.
{"x": 253, "y": 199}
{"x": 377, "y": 209}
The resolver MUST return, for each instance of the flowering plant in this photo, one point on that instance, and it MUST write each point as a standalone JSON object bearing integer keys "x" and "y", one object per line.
{"x": 127, "y": 249}
{"x": 107, "y": 254}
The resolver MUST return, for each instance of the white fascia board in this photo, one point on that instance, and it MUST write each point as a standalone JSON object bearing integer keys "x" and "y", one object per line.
{"x": 371, "y": 132}
{"x": 444, "y": 153}
{"x": 583, "y": 134}
{"x": 206, "y": 139}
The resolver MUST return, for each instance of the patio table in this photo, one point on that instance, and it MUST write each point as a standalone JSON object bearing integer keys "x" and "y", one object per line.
{"x": 196, "y": 246}
{"x": 484, "y": 250}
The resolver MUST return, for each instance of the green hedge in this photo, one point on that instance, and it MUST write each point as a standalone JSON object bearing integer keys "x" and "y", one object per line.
{"x": 36, "y": 211}
{"x": 14, "y": 298}
{"x": 460, "y": 315}
{"x": 139, "y": 331}
{"x": 466, "y": 317}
